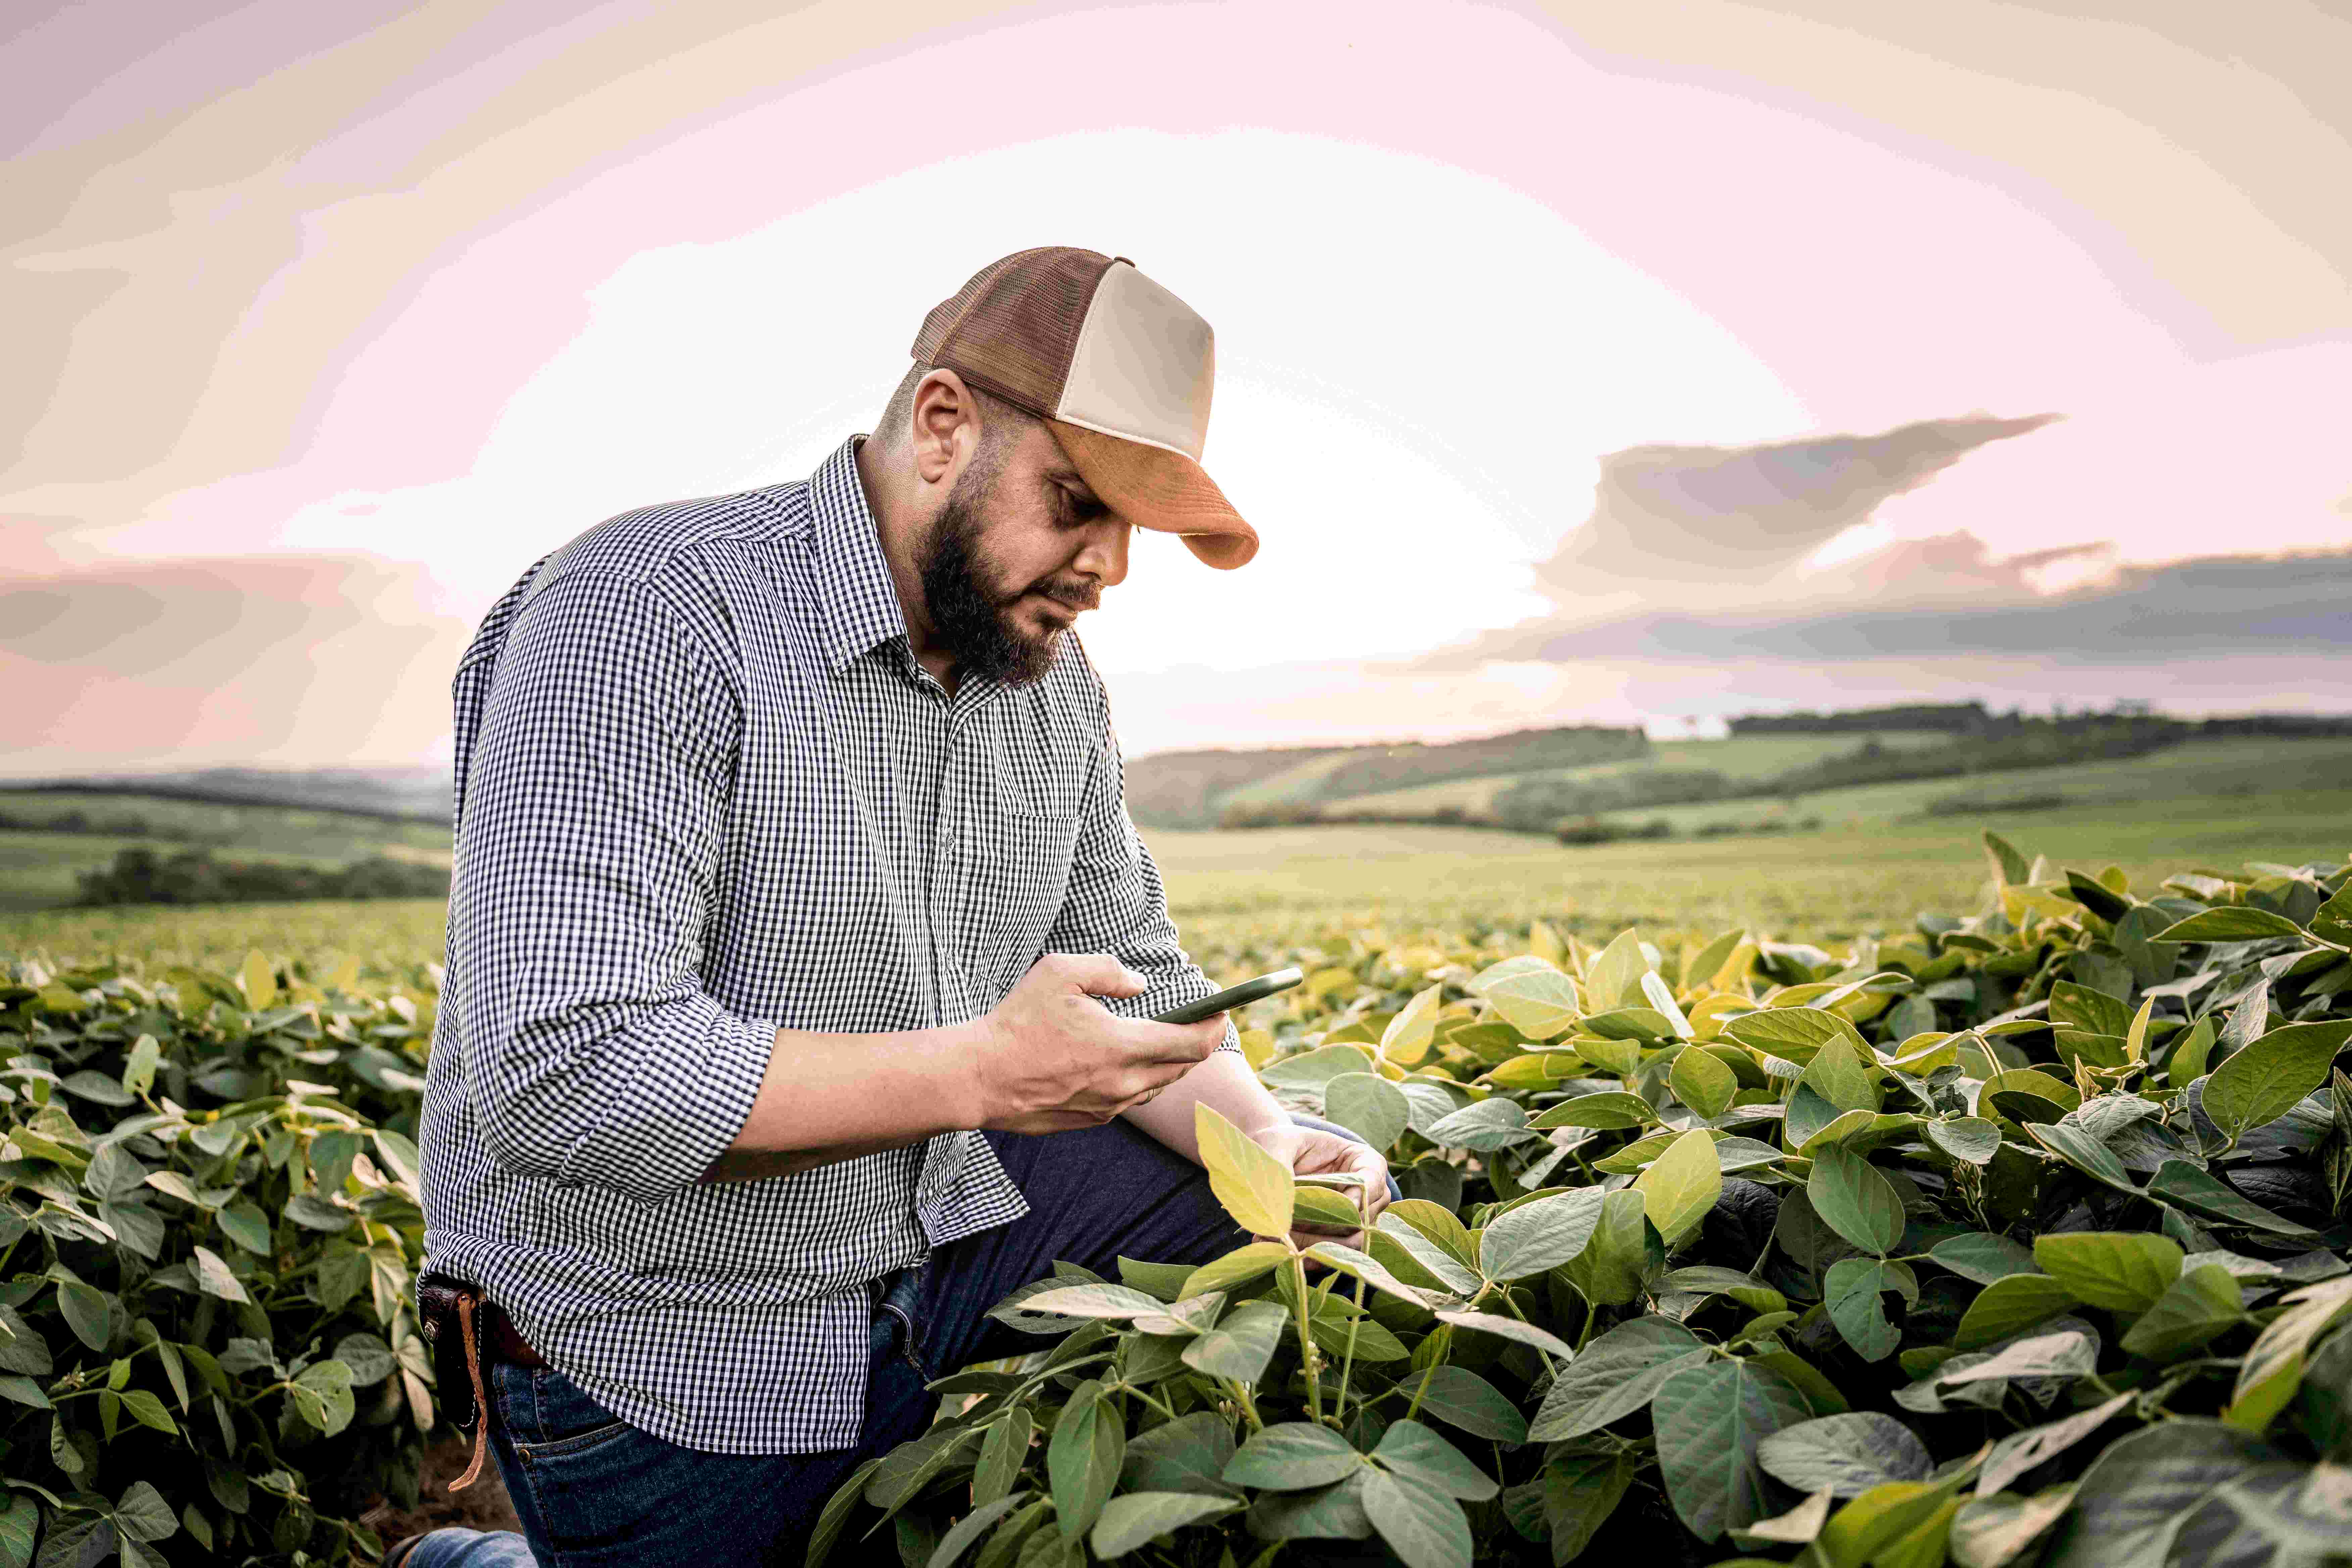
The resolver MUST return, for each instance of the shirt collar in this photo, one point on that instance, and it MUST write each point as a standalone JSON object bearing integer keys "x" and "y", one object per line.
{"x": 861, "y": 602}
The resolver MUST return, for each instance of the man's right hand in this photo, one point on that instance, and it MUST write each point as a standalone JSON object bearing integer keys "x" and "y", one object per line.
{"x": 1052, "y": 1058}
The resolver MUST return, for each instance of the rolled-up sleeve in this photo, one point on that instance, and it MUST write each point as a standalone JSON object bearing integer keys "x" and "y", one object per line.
{"x": 1116, "y": 902}
{"x": 594, "y": 805}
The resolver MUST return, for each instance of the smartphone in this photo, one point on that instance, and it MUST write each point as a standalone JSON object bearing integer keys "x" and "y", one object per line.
{"x": 1246, "y": 992}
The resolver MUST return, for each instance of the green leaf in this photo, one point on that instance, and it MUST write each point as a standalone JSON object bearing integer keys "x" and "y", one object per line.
{"x": 1369, "y": 1106}
{"x": 88, "y": 1312}
{"x": 1442, "y": 1264}
{"x": 1186, "y": 1455}
{"x": 1241, "y": 1345}
{"x": 322, "y": 1393}
{"x": 1407, "y": 1037}
{"x": 139, "y": 1065}
{"x": 2082, "y": 1149}
{"x": 1845, "y": 1455}
{"x": 1347, "y": 1260}
{"x": 214, "y": 1279}
{"x": 1140, "y": 1517}
{"x": 148, "y": 1411}
{"x": 2202, "y": 1303}
{"x": 1711, "y": 1419}
{"x": 260, "y": 980}
{"x": 1083, "y": 1458}
{"x": 2231, "y": 924}
{"x": 312, "y": 1212}
{"x": 1853, "y": 1292}
{"x": 142, "y": 1514}
{"x": 971, "y": 1527}
{"x": 836, "y": 1511}
{"x": 1292, "y": 1456}
{"x": 1836, "y": 1074}
{"x": 1421, "y": 1525}
{"x": 1331, "y": 1513}
{"x": 1466, "y": 1401}
{"x": 1543, "y": 1234}
{"x": 1990, "y": 1530}
{"x": 1613, "y": 1268}
{"x": 2273, "y": 1368}
{"x": 2021, "y": 1451}
{"x": 1579, "y": 1492}
{"x": 1681, "y": 1185}
{"x": 1982, "y": 1257}
{"x": 1113, "y": 1301}
{"x": 2186, "y": 1187}
{"x": 1855, "y": 1200}
{"x": 1531, "y": 994}
{"x": 1703, "y": 1082}
{"x": 2009, "y": 867}
{"x": 1794, "y": 1033}
{"x": 2005, "y": 1306}
{"x": 1238, "y": 1267}
{"x": 20, "y": 1522}
{"x": 243, "y": 1223}
{"x": 2123, "y": 1271}
{"x": 1254, "y": 1187}
{"x": 2129, "y": 1502}
{"x": 1415, "y": 1451}
{"x": 1614, "y": 978}
{"x": 1510, "y": 1329}
{"x": 1608, "y": 1110}
{"x": 2264, "y": 1080}
{"x": 1001, "y": 1454}
{"x": 1970, "y": 1138}
{"x": 1618, "y": 1373}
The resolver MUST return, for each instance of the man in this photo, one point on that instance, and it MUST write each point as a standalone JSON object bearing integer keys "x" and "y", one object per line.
{"x": 801, "y": 953}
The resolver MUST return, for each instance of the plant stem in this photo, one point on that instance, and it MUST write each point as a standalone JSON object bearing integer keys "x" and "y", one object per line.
{"x": 1445, "y": 1343}
{"x": 1306, "y": 1341}
{"x": 1249, "y": 1405}
{"x": 1156, "y": 1404}
{"x": 1347, "y": 1362}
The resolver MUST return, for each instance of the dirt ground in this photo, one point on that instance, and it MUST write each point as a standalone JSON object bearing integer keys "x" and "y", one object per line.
{"x": 482, "y": 1506}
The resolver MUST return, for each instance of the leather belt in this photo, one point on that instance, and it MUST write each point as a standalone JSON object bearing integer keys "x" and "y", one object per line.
{"x": 468, "y": 1329}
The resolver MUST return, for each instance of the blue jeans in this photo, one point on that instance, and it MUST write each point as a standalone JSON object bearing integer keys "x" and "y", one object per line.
{"x": 594, "y": 1492}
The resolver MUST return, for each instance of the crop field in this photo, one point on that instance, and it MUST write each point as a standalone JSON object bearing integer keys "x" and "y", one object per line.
{"x": 1743, "y": 757}
{"x": 38, "y": 869}
{"x": 2019, "y": 1237}
{"x": 1245, "y": 892}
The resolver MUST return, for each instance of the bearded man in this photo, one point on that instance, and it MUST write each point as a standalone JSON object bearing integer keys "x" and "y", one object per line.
{"x": 801, "y": 952}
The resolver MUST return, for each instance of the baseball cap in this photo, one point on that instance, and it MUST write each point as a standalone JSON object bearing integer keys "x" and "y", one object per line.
{"x": 1117, "y": 365}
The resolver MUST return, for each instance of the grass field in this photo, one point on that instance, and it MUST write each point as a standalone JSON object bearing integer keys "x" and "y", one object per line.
{"x": 37, "y": 869}
{"x": 1744, "y": 757}
{"x": 1238, "y": 897}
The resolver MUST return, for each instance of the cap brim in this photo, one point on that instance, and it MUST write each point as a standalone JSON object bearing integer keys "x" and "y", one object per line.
{"x": 1154, "y": 488}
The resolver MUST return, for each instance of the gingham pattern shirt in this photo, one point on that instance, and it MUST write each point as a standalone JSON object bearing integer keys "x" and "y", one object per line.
{"x": 704, "y": 790}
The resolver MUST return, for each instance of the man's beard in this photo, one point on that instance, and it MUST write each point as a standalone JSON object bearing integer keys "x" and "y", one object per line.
{"x": 970, "y": 617}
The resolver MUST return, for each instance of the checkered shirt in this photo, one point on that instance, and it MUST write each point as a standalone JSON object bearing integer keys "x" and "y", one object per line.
{"x": 703, "y": 791}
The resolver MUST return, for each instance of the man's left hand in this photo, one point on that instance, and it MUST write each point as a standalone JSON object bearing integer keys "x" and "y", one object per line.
{"x": 1311, "y": 1151}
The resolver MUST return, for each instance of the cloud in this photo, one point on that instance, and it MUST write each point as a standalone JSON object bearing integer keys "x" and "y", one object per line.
{"x": 1668, "y": 514}
{"x": 289, "y": 657}
{"x": 2213, "y": 607}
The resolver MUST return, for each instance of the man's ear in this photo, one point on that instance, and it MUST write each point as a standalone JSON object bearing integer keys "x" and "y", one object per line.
{"x": 946, "y": 431}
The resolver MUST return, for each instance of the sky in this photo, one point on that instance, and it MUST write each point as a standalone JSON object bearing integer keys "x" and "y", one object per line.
{"x": 1612, "y": 363}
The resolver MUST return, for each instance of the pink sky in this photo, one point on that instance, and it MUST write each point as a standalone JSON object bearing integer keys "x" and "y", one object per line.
{"x": 341, "y": 316}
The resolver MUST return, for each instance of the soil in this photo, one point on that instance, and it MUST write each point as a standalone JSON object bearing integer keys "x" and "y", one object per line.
{"x": 481, "y": 1506}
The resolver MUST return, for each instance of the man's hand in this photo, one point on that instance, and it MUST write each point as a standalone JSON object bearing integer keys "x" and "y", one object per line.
{"x": 1052, "y": 1058}
{"x": 1310, "y": 1152}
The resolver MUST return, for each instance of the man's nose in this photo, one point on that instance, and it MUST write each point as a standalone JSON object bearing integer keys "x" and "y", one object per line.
{"x": 1104, "y": 555}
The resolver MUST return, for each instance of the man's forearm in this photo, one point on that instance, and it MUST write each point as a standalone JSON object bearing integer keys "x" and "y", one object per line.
{"x": 827, "y": 1098}
{"x": 1228, "y": 1085}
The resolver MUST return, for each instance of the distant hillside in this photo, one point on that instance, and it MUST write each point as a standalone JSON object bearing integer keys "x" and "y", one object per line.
{"x": 397, "y": 795}
{"x": 1208, "y": 789}
{"x": 1183, "y": 789}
